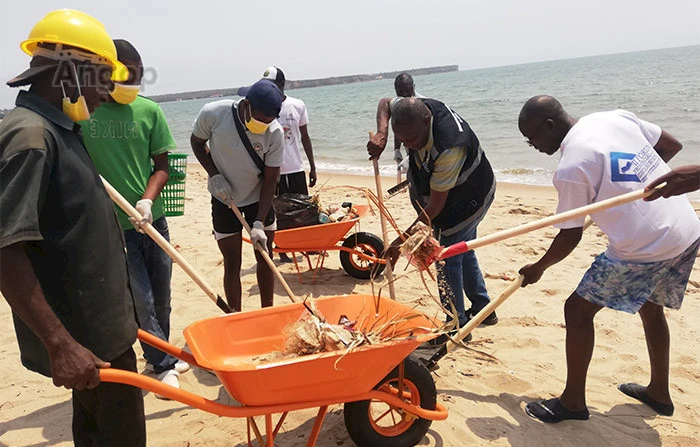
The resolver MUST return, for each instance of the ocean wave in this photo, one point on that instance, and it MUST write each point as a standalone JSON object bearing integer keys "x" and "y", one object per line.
{"x": 517, "y": 171}
{"x": 520, "y": 176}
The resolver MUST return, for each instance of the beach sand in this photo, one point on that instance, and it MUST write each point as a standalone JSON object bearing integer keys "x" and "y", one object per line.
{"x": 485, "y": 398}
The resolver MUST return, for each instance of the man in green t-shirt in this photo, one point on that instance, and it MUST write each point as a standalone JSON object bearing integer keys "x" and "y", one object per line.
{"x": 122, "y": 137}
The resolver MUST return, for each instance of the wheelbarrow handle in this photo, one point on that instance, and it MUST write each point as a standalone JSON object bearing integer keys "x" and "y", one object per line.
{"x": 463, "y": 247}
{"x": 193, "y": 400}
{"x": 196, "y": 401}
{"x": 166, "y": 347}
{"x": 166, "y": 246}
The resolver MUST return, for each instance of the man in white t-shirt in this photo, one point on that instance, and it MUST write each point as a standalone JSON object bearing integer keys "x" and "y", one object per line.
{"x": 235, "y": 176}
{"x": 681, "y": 180}
{"x": 294, "y": 120}
{"x": 652, "y": 245}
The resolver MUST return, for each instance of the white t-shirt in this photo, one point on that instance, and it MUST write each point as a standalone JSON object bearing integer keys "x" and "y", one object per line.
{"x": 606, "y": 154}
{"x": 215, "y": 123}
{"x": 292, "y": 116}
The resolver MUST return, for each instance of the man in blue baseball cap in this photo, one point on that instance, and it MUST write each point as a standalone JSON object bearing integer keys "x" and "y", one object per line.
{"x": 294, "y": 120}
{"x": 246, "y": 152}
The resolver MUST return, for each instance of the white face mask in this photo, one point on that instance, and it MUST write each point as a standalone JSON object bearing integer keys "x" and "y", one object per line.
{"x": 78, "y": 110}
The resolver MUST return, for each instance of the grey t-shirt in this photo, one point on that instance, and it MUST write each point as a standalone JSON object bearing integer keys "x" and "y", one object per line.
{"x": 215, "y": 124}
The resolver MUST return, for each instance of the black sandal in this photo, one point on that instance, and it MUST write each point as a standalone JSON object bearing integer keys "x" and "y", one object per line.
{"x": 552, "y": 411}
{"x": 639, "y": 392}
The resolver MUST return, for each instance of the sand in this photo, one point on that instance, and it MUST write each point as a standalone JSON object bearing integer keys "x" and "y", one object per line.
{"x": 485, "y": 399}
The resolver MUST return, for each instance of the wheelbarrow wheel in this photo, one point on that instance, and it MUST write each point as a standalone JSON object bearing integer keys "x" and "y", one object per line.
{"x": 365, "y": 243}
{"x": 377, "y": 424}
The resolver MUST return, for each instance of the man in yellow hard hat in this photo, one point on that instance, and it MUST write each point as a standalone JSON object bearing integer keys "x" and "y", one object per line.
{"x": 63, "y": 267}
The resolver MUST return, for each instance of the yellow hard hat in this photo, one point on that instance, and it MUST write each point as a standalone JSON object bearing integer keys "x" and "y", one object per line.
{"x": 80, "y": 30}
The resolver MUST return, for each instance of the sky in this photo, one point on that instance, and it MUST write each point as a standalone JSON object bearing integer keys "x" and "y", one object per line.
{"x": 199, "y": 45}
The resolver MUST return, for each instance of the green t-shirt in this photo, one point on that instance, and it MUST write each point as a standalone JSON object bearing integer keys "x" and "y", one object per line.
{"x": 121, "y": 139}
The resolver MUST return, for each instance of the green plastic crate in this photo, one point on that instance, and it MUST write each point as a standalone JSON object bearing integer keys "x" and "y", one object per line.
{"x": 173, "y": 193}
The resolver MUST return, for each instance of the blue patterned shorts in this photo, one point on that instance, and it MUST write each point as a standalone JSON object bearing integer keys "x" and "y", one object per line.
{"x": 626, "y": 286}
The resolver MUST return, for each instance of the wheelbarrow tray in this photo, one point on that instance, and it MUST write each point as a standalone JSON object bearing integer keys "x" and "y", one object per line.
{"x": 317, "y": 237}
{"x": 228, "y": 344}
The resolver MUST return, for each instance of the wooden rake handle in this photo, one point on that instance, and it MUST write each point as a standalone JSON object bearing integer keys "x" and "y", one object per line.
{"x": 264, "y": 253}
{"x": 483, "y": 313}
{"x": 463, "y": 247}
{"x": 382, "y": 219}
{"x": 493, "y": 304}
{"x": 476, "y": 320}
{"x": 166, "y": 246}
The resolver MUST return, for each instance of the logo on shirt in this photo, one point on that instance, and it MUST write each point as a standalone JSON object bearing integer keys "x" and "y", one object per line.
{"x": 257, "y": 147}
{"x": 634, "y": 167}
{"x": 622, "y": 167}
{"x": 114, "y": 129}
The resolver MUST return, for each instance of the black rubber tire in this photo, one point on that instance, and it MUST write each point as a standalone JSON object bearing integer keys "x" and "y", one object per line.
{"x": 361, "y": 242}
{"x": 357, "y": 416}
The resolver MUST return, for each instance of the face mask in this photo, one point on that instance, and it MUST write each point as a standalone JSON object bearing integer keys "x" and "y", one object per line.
{"x": 78, "y": 110}
{"x": 255, "y": 126}
{"x": 125, "y": 94}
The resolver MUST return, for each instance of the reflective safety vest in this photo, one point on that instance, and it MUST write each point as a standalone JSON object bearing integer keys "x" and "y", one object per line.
{"x": 473, "y": 193}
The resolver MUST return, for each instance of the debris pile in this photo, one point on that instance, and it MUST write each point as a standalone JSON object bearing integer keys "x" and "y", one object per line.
{"x": 312, "y": 334}
{"x": 421, "y": 248}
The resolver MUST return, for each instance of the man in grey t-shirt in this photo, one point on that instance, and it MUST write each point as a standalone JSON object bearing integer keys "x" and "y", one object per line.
{"x": 234, "y": 177}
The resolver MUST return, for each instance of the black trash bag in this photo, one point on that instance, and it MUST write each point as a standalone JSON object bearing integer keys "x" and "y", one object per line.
{"x": 295, "y": 210}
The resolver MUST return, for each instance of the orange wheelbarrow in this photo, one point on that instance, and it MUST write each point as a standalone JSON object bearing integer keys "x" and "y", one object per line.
{"x": 385, "y": 404}
{"x": 360, "y": 253}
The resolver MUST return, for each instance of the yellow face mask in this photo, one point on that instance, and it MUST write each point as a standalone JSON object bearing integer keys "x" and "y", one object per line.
{"x": 255, "y": 126}
{"x": 125, "y": 94}
{"x": 78, "y": 110}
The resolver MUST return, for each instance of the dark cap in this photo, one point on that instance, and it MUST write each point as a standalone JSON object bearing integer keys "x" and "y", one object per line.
{"x": 265, "y": 97}
{"x": 37, "y": 66}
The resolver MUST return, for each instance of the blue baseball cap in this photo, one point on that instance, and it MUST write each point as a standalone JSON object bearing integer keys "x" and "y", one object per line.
{"x": 264, "y": 96}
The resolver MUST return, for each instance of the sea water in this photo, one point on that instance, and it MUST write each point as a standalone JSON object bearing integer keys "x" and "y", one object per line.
{"x": 660, "y": 86}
